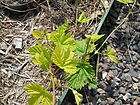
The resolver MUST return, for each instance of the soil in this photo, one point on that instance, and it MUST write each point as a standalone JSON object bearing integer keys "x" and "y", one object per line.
{"x": 119, "y": 84}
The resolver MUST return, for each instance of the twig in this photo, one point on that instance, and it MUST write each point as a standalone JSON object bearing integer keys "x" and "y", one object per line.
{"x": 22, "y": 66}
{"x": 112, "y": 32}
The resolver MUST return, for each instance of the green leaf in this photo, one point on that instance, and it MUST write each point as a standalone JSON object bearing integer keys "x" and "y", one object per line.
{"x": 85, "y": 75}
{"x": 39, "y": 34}
{"x": 83, "y": 19}
{"x": 78, "y": 97}
{"x": 126, "y": 1}
{"x": 60, "y": 36}
{"x": 111, "y": 54}
{"x": 41, "y": 56}
{"x": 94, "y": 37}
{"x": 38, "y": 95}
{"x": 64, "y": 58}
{"x": 91, "y": 47}
{"x": 80, "y": 47}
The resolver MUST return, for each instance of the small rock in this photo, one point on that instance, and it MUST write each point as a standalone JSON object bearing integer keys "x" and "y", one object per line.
{"x": 126, "y": 70}
{"x": 136, "y": 67}
{"x": 102, "y": 85}
{"x": 110, "y": 101}
{"x": 133, "y": 73}
{"x": 120, "y": 57}
{"x": 122, "y": 90}
{"x": 121, "y": 65}
{"x": 109, "y": 90}
{"x": 103, "y": 103}
{"x": 18, "y": 43}
{"x": 138, "y": 62}
{"x": 139, "y": 76}
{"x": 127, "y": 96}
{"x": 114, "y": 83}
{"x": 116, "y": 93}
{"x": 135, "y": 59}
{"x": 104, "y": 74}
{"x": 126, "y": 77}
{"x": 99, "y": 100}
{"x": 120, "y": 96}
{"x": 119, "y": 102}
{"x": 137, "y": 101}
{"x": 2, "y": 52}
{"x": 115, "y": 72}
{"x": 101, "y": 91}
{"x": 135, "y": 79}
{"x": 135, "y": 86}
{"x": 3, "y": 46}
{"x": 117, "y": 79}
{"x": 110, "y": 75}
{"x": 139, "y": 45}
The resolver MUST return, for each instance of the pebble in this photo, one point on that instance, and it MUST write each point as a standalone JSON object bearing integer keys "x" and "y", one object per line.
{"x": 116, "y": 93}
{"x": 139, "y": 45}
{"x": 126, "y": 77}
{"x": 127, "y": 96}
{"x": 121, "y": 65}
{"x": 18, "y": 42}
{"x": 110, "y": 74}
{"x": 115, "y": 72}
{"x": 122, "y": 90}
{"x": 126, "y": 70}
{"x": 3, "y": 46}
{"x": 104, "y": 74}
{"x": 110, "y": 100}
{"x": 138, "y": 62}
{"x": 136, "y": 67}
{"x": 133, "y": 73}
{"x": 135, "y": 86}
{"x": 135, "y": 59}
{"x": 101, "y": 91}
{"x": 119, "y": 102}
{"x": 135, "y": 79}
{"x": 114, "y": 83}
{"x": 117, "y": 79}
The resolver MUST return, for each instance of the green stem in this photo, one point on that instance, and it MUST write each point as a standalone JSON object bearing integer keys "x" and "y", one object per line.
{"x": 84, "y": 56}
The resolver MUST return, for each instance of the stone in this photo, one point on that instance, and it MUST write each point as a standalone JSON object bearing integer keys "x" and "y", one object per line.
{"x": 101, "y": 91}
{"x": 135, "y": 59}
{"x": 135, "y": 86}
{"x": 120, "y": 96}
{"x": 121, "y": 65}
{"x": 137, "y": 101}
{"x": 127, "y": 96}
{"x": 135, "y": 79}
{"x": 115, "y": 72}
{"x": 110, "y": 100}
{"x": 114, "y": 83}
{"x": 104, "y": 74}
{"x": 103, "y": 103}
{"x": 136, "y": 67}
{"x": 126, "y": 70}
{"x": 18, "y": 42}
{"x": 110, "y": 74}
{"x": 122, "y": 90}
{"x": 133, "y": 73}
{"x": 117, "y": 79}
{"x": 116, "y": 93}
{"x": 3, "y": 46}
{"x": 126, "y": 77}
{"x": 119, "y": 102}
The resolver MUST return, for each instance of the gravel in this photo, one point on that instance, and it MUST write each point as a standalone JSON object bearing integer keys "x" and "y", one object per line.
{"x": 124, "y": 86}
